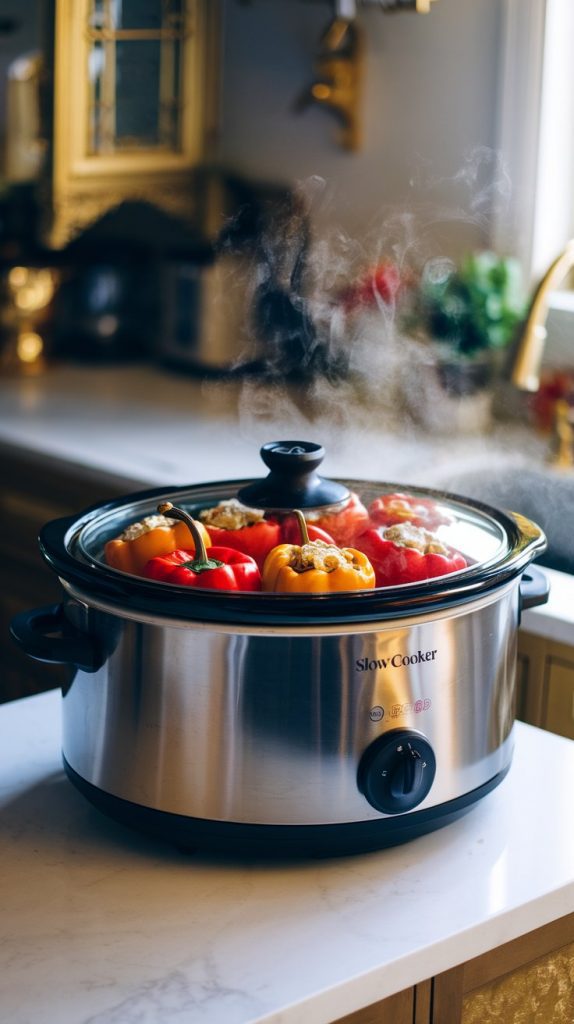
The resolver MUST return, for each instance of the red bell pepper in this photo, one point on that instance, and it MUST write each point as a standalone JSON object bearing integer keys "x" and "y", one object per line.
{"x": 342, "y": 524}
{"x": 223, "y": 569}
{"x": 214, "y": 568}
{"x": 407, "y": 554}
{"x": 291, "y": 532}
{"x": 231, "y": 524}
{"x": 393, "y": 508}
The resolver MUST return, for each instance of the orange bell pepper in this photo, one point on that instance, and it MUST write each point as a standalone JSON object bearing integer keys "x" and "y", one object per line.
{"x": 142, "y": 541}
{"x": 315, "y": 567}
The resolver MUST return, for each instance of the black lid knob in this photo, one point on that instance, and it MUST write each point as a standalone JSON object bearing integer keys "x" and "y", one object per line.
{"x": 293, "y": 481}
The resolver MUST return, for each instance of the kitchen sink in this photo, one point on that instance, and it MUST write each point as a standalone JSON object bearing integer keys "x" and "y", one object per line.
{"x": 541, "y": 493}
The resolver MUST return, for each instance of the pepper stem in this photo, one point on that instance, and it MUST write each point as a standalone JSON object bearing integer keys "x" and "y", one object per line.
{"x": 201, "y": 562}
{"x": 302, "y": 526}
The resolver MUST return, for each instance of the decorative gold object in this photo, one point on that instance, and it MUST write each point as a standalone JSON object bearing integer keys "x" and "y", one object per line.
{"x": 339, "y": 65}
{"x": 338, "y": 71}
{"x": 528, "y": 357}
{"x": 134, "y": 106}
{"x": 27, "y": 294}
{"x": 564, "y": 422}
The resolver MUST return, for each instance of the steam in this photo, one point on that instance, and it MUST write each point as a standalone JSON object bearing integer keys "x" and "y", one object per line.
{"x": 319, "y": 367}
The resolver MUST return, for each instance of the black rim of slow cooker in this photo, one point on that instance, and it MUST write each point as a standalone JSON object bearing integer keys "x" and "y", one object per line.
{"x": 97, "y": 581}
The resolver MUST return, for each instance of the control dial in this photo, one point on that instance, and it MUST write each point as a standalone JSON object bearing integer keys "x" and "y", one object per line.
{"x": 397, "y": 771}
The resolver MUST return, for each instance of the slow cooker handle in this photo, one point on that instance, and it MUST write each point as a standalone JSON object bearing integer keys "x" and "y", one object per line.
{"x": 45, "y": 634}
{"x": 534, "y": 588}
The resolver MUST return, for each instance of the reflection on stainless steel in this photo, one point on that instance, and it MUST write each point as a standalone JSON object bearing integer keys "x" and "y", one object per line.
{"x": 269, "y": 725}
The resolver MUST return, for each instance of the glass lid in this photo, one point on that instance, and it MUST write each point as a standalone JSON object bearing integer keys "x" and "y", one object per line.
{"x": 401, "y": 530}
{"x": 290, "y": 547}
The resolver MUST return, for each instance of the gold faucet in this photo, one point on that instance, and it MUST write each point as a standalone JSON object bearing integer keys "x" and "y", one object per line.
{"x": 528, "y": 358}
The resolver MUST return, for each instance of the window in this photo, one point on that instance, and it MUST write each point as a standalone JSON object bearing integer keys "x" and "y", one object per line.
{"x": 537, "y": 146}
{"x": 537, "y": 129}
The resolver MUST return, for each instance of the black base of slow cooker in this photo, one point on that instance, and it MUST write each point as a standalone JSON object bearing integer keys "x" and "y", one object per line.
{"x": 279, "y": 841}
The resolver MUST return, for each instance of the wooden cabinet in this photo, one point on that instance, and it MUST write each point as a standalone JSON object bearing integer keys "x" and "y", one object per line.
{"x": 546, "y": 683}
{"x": 530, "y": 979}
{"x": 397, "y": 1009}
{"x": 527, "y": 981}
{"x": 35, "y": 490}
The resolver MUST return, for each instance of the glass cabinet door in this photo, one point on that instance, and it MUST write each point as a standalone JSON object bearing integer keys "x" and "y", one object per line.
{"x": 135, "y": 74}
{"x": 134, "y": 105}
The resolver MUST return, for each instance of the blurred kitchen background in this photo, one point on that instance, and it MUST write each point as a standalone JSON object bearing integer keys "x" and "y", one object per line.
{"x": 283, "y": 189}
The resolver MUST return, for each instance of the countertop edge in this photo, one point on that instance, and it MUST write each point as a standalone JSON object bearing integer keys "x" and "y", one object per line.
{"x": 364, "y": 990}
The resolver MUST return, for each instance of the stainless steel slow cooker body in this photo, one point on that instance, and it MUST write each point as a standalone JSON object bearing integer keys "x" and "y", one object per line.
{"x": 271, "y": 723}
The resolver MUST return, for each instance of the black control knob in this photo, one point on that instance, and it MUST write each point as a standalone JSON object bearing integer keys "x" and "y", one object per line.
{"x": 397, "y": 771}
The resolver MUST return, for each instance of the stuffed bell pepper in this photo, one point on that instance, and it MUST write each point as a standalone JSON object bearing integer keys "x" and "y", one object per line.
{"x": 315, "y": 566}
{"x": 390, "y": 509}
{"x": 343, "y": 524}
{"x": 234, "y": 525}
{"x": 214, "y": 568}
{"x": 154, "y": 535}
{"x": 404, "y": 553}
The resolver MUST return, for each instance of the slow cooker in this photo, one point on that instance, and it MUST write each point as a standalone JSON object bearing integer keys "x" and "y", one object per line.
{"x": 287, "y": 724}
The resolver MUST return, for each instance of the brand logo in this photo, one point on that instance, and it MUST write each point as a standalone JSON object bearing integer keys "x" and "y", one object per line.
{"x": 377, "y": 713}
{"x": 397, "y": 710}
{"x": 395, "y": 661}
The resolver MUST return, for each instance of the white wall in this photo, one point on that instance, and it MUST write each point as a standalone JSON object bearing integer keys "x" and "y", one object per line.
{"x": 430, "y": 114}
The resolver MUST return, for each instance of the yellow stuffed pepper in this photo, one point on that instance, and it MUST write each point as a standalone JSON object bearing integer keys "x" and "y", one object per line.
{"x": 315, "y": 567}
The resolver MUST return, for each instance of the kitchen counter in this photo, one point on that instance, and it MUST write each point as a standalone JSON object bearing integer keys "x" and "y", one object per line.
{"x": 147, "y": 427}
{"x": 102, "y": 926}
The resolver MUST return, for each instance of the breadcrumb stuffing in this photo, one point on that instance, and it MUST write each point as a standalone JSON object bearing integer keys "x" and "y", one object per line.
{"x": 145, "y": 525}
{"x": 410, "y": 536}
{"x": 231, "y": 515}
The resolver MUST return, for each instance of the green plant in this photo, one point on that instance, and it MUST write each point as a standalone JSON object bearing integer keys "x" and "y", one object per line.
{"x": 472, "y": 309}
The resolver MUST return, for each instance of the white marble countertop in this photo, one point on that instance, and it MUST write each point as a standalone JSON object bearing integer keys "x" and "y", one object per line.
{"x": 101, "y": 926}
{"x": 152, "y": 426}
